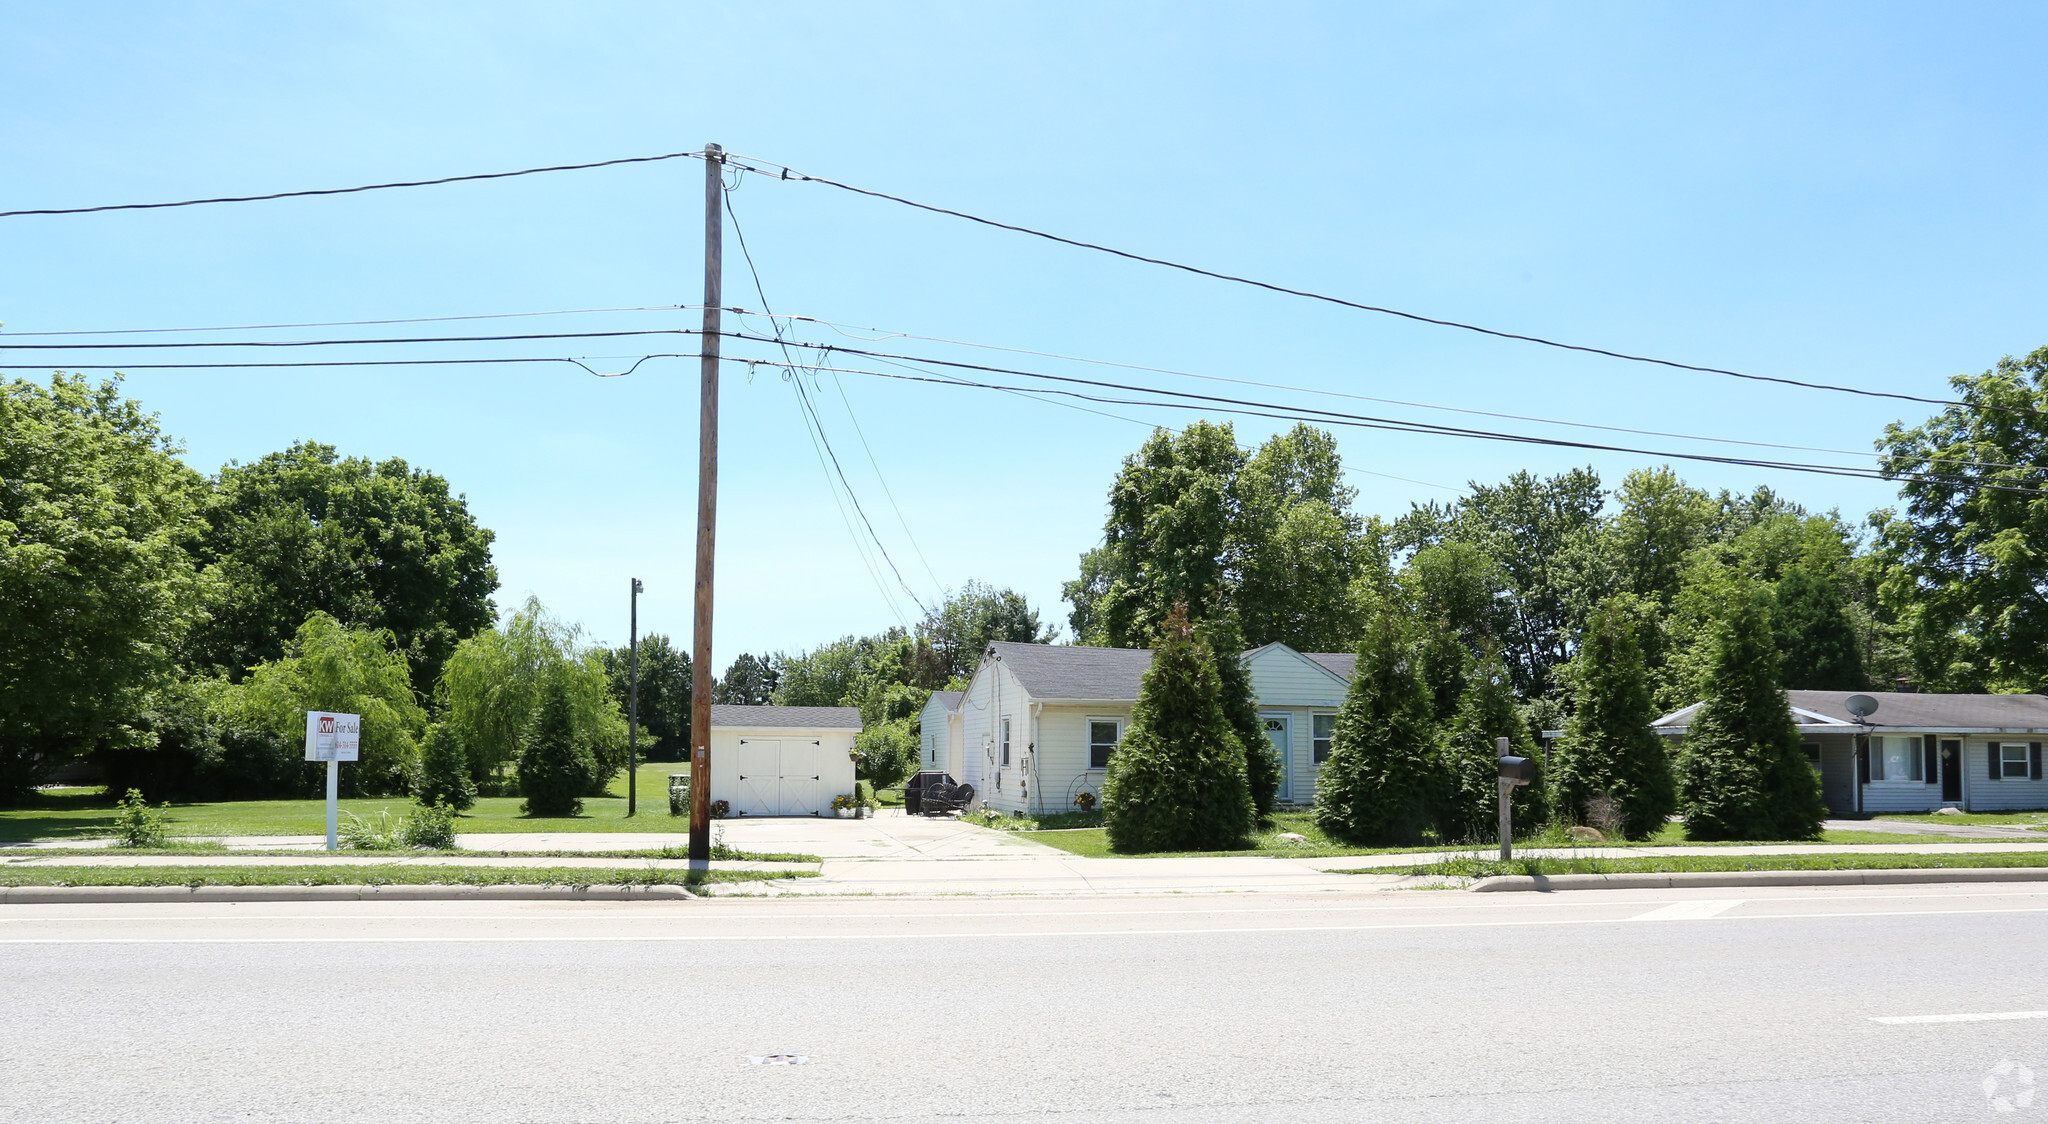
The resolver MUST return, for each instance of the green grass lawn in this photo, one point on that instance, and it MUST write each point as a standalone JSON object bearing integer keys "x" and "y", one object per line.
{"x": 2006, "y": 819}
{"x": 393, "y": 875}
{"x": 86, "y": 813}
{"x": 1094, "y": 843}
{"x": 1485, "y": 868}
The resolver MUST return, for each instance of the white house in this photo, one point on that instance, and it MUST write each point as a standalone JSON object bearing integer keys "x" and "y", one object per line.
{"x": 1917, "y": 752}
{"x": 1039, "y": 722}
{"x": 939, "y": 735}
{"x": 782, "y": 760}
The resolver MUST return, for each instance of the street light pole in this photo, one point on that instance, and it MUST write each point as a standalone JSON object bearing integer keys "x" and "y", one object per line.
{"x": 633, "y": 701}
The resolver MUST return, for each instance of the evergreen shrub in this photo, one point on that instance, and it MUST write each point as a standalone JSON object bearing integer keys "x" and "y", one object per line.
{"x": 1608, "y": 745}
{"x": 1743, "y": 774}
{"x": 1177, "y": 779}
{"x": 443, "y": 775}
{"x": 1241, "y": 707}
{"x": 1382, "y": 782}
{"x": 556, "y": 768}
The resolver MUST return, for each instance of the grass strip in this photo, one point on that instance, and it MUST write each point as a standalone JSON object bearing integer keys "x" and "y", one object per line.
{"x": 393, "y": 875}
{"x": 1479, "y": 867}
{"x": 718, "y": 854}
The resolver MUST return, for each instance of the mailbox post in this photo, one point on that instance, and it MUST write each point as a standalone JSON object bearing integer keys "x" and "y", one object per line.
{"x": 1514, "y": 771}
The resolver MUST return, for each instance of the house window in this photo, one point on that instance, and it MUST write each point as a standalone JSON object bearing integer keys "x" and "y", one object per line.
{"x": 2012, "y": 757}
{"x": 1006, "y": 741}
{"x": 1324, "y": 727}
{"x": 1812, "y": 755}
{"x": 1103, "y": 734}
{"x": 1893, "y": 758}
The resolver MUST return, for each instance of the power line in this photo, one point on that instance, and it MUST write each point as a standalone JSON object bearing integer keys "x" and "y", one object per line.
{"x": 355, "y": 323}
{"x": 784, "y": 172}
{"x": 343, "y": 343}
{"x": 697, "y": 154}
{"x": 1364, "y": 421}
{"x": 819, "y": 423}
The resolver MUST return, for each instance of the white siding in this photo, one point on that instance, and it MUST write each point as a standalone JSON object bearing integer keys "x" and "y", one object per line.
{"x": 1287, "y": 682}
{"x": 1901, "y": 796}
{"x": 725, "y": 745}
{"x": 1061, "y": 758}
{"x": 1982, "y": 794}
{"x": 934, "y": 736}
{"x": 994, "y": 694}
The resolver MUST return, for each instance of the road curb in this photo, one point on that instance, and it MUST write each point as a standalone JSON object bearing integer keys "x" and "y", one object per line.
{"x": 112, "y": 895}
{"x": 1731, "y": 878}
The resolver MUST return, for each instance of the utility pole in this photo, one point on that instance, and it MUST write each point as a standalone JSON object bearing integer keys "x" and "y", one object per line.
{"x": 707, "y": 515}
{"x": 633, "y": 701}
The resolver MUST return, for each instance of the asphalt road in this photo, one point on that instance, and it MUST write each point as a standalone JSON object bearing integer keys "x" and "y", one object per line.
{"x": 1426, "y": 1006}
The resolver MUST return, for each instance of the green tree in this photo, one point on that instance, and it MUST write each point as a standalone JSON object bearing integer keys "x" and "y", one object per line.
{"x": 1169, "y": 514}
{"x": 753, "y": 681}
{"x": 886, "y": 751}
{"x": 1545, "y": 536}
{"x": 665, "y": 685}
{"x": 1608, "y": 747}
{"x": 1177, "y": 780}
{"x": 443, "y": 774}
{"x": 1966, "y": 574}
{"x": 348, "y": 670}
{"x": 371, "y": 545}
{"x": 1294, "y": 547}
{"x": 556, "y": 766}
{"x": 962, "y": 628}
{"x": 1381, "y": 783}
{"x": 1743, "y": 774}
{"x": 96, "y": 585}
{"x": 1814, "y": 633}
{"x": 491, "y": 691}
{"x": 1486, "y": 713}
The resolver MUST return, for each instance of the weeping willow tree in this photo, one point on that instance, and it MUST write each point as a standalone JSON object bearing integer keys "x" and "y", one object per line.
{"x": 491, "y": 691}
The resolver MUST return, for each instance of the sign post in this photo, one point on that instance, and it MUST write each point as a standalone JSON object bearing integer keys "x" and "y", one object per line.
{"x": 333, "y": 738}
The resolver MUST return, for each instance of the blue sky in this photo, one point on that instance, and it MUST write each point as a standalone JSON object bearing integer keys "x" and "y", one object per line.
{"x": 1846, "y": 193}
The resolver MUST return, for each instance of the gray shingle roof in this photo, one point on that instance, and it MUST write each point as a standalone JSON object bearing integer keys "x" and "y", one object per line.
{"x": 1912, "y": 710}
{"x": 725, "y": 716}
{"x": 1070, "y": 671}
{"x": 948, "y": 699}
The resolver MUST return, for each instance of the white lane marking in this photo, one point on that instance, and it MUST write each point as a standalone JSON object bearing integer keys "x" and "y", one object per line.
{"x": 1980, "y": 1017}
{"x": 615, "y": 938}
{"x": 1698, "y": 910}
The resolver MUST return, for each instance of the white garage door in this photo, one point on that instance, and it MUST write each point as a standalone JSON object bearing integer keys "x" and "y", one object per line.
{"x": 782, "y": 777}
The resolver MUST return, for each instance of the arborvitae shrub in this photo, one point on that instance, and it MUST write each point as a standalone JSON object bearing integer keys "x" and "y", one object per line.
{"x": 1471, "y": 754}
{"x": 1608, "y": 746}
{"x": 1241, "y": 707}
{"x": 1381, "y": 783}
{"x": 555, "y": 767}
{"x": 444, "y": 771}
{"x": 1177, "y": 780}
{"x": 1743, "y": 774}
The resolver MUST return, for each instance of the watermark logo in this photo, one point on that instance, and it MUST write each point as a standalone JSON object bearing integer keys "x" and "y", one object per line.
{"x": 2009, "y": 1086}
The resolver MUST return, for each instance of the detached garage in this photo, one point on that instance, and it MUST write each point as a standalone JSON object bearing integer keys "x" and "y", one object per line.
{"x": 782, "y": 760}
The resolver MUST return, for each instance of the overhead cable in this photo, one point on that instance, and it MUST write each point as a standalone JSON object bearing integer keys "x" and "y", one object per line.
{"x": 782, "y": 172}
{"x": 697, "y": 153}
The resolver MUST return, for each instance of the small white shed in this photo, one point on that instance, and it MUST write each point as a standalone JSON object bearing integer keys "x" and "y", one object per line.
{"x": 782, "y": 760}
{"x": 939, "y": 734}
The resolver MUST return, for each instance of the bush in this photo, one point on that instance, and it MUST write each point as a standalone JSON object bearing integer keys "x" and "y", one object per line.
{"x": 886, "y": 752}
{"x": 1241, "y": 707}
{"x": 1177, "y": 780}
{"x": 1486, "y": 712}
{"x": 136, "y": 824}
{"x": 864, "y": 794}
{"x": 556, "y": 768}
{"x": 430, "y": 825}
{"x": 1608, "y": 746}
{"x": 1381, "y": 783}
{"x": 1743, "y": 774}
{"x": 443, "y": 775}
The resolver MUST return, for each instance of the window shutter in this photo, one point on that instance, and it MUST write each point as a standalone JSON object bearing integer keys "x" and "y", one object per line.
{"x": 1997, "y": 773}
{"x": 1932, "y": 771}
{"x": 1863, "y": 760}
{"x": 2034, "y": 760}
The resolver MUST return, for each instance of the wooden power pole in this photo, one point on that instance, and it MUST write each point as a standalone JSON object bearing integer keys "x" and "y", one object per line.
{"x": 707, "y": 515}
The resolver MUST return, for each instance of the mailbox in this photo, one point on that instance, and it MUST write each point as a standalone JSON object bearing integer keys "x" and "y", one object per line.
{"x": 1517, "y": 770}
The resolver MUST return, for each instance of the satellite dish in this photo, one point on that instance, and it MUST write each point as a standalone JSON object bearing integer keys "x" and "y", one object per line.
{"x": 1862, "y": 706}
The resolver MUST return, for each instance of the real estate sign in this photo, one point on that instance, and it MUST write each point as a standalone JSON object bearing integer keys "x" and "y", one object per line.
{"x": 333, "y": 737}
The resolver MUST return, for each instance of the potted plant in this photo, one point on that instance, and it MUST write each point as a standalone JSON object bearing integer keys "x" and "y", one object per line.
{"x": 843, "y": 805}
{"x": 720, "y": 809}
{"x": 1085, "y": 801}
